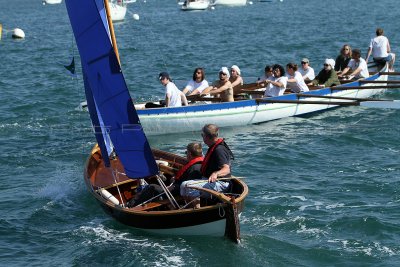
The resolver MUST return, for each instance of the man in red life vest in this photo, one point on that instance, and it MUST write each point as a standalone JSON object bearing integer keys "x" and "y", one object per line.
{"x": 216, "y": 164}
{"x": 191, "y": 170}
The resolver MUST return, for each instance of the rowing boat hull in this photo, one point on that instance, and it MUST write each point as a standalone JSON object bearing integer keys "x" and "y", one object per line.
{"x": 207, "y": 220}
{"x": 240, "y": 113}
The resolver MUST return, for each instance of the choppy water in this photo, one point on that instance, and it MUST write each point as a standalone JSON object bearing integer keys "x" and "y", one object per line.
{"x": 324, "y": 189}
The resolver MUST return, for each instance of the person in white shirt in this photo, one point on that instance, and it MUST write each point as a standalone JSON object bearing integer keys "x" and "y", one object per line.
{"x": 380, "y": 49}
{"x": 197, "y": 84}
{"x": 358, "y": 66}
{"x": 278, "y": 83}
{"x": 306, "y": 71}
{"x": 267, "y": 74}
{"x": 173, "y": 96}
{"x": 295, "y": 79}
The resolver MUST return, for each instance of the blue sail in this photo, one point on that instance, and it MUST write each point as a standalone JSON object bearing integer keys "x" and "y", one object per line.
{"x": 107, "y": 92}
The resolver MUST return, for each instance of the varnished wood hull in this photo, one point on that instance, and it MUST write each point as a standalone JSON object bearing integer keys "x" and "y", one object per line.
{"x": 187, "y": 221}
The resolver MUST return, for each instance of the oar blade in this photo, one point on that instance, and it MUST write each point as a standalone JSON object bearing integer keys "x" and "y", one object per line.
{"x": 395, "y": 104}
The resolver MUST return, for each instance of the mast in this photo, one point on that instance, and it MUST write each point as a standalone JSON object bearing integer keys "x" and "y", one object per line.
{"x": 111, "y": 28}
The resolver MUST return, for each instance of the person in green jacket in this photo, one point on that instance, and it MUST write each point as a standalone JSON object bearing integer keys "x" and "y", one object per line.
{"x": 327, "y": 77}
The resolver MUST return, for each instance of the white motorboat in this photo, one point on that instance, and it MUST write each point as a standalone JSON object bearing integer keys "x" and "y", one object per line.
{"x": 51, "y": 2}
{"x": 230, "y": 2}
{"x": 190, "y": 5}
{"x": 117, "y": 10}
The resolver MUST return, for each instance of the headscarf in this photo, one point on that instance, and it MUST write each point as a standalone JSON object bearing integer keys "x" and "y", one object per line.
{"x": 331, "y": 62}
{"x": 225, "y": 70}
{"x": 236, "y": 68}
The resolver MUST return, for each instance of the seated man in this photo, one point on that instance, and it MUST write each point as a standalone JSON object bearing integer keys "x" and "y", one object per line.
{"x": 358, "y": 66}
{"x": 222, "y": 87}
{"x": 191, "y": 170}
{"x": 217, "y": 163}
{"x": 380, "y": 49}
{"x": 173, "y": 96}
{"x": 197, "y": 84}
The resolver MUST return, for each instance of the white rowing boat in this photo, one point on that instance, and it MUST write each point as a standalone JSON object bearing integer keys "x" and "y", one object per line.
{"x": 240, "y": 113}
{"x": 164, "y": 120}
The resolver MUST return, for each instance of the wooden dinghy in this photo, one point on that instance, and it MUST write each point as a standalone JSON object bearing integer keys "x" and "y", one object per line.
{"x": 214, "y": 218}
{"x": 114, "y": 180}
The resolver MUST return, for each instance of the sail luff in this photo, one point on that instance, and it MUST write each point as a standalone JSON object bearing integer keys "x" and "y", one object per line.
{"x": 111, "y": 28}
{"x": 93, "y": 112}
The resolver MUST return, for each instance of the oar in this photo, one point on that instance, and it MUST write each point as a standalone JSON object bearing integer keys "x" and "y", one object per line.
{"x": 341, "y": 97}
{"x": 389, "y": 73}
{"x": 332, "y": 103}
{"x": 395, "y": 104}
{"x": 365, "y": 87}
{"x": 389, "y": 82}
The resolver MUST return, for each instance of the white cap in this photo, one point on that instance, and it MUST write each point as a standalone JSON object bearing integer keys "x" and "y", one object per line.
{"x": 331, "y": 62}
{"x": 236, "y": 68}
{"x": 225, "y": 70}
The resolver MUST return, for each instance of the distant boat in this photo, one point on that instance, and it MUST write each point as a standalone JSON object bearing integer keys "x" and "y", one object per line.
{"x": 51, "y": 2}
{"x": 123, "y": 158}
{"x": 117, "y": 10}
{"x": 190, "y": 5}
{"x": 230, "y": 2}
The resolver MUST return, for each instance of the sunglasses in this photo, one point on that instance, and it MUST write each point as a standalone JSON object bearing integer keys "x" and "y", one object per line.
{"x": 326, "y": 65}
{"x": 304, "y": 62}
{"x": 222, "y": 73}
